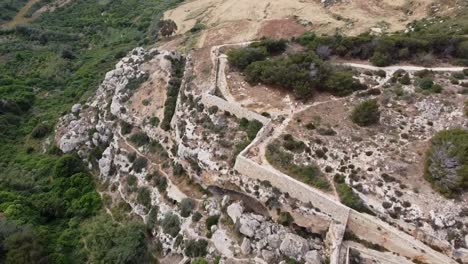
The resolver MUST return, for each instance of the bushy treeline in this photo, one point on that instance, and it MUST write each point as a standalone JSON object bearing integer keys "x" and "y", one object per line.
{"x": 303, "y": 73}
{"x": 388, "y": 49}
{"x": 45, "y": 212}
{"x": 173, "y": 92}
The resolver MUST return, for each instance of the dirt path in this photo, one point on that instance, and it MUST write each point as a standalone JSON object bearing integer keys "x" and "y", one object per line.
{"x": 409, "y": 68}
{"x": 20, "y": 17}
{"x": 172, "y": 190}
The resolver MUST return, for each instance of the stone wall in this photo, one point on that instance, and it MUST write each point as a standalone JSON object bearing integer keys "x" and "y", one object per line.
{"x": 233, "y": 108}
{"x": 296, "y": 189}
{"x": 376, "y": 231}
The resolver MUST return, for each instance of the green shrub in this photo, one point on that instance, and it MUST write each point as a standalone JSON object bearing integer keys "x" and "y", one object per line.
{"x": 243, "y": 57}
{"x": 144, "y": 197}
{"x": 132, "y": 180}
{"x": 139, "y": 139}
{"x": 196, "y": 216}
{"x": 172, "y": 92}
{"x": 285, "y": 218}
{"x": 186, "y": 207}
{"x": 211, "y": 221}
{"x": 426, "y": 84}
{"x": 198, "y": 27}
{"x": 272, "y": 46}
{"x": 154, "y": 121}
{"x": 125, "y": 128}
{"x": 66, "y": 166}
{"x": 447, "y": 162}
{"x": 342, "y": 83}
{"x": 405, "y": 80}
{"x": 139, "y": 164}
{"x": 171, "y": 224}
{"x": 199, "y": 261}
{"x": 350, "y": 199}
{"x": 380, "y": 59}
{"x": 366, "y": 113}
{"x": 40, "y": 131}
{"x": 196, "y": 248}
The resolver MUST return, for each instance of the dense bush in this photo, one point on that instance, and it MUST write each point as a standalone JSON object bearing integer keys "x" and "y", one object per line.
{"x": 186, "y": 207}
{"x": 272, "y": 46}
{"x": 171, "y": 224}
{"x": 139, "y": 164}
{"x": 144, "y": 197}
{"x": 342, "y": 83}
{"x": 172, "y": 92}
{"x": 139, "y": 139}
{"x": 447, "y": 162}
{"x": 196, "y": 248}
{"x": 250, "y": 127}
{"x": 40, "y": 131}
{"x": 110, "y": 242}
{"x": 389, "y": 49}
{"x": 285, "y": 218}
{"x": 211, "y": 221}
{"x": 125, "y": 128}
{"x": 366, "y": 113}
{"x": 241, "y": 58}
{"x": 348, "y": 197}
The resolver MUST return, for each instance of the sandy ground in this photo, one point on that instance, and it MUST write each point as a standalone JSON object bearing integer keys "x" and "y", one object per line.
{"x": 241, "y": 20}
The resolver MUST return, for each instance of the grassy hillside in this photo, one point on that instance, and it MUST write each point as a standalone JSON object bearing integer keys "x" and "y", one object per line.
{"x": 45, "y": 67}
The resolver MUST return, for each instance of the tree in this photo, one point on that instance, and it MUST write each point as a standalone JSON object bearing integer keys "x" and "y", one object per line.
{"x": 380, "y": 59}
{"x": 186, "y": 207}
{"x": 366, "y": 113}
{"x": 171, "y": 224}
{"x": 66, "y": 166}
{"x": 167, "y": 27}
{"x": 196, "y": 248}
{"x": 342, "y": 83}
{"x": 109, "y": 242}
{"x": 243, "y": 57}
{"x": 447, "y": 162}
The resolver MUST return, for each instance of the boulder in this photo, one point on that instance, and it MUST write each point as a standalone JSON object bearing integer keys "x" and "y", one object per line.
{"x": 235, "y": 211}
{"x": 313, "y": 257}
{"x": 268, "y": 256}
{"x": 294, "y": 246}
{"x": 248, "y": 226}
{"x": 225, "y": 200}
{"x": 76, "y": 108}
{"x": 274, "y": 241}
{"x": 246, "y": 246}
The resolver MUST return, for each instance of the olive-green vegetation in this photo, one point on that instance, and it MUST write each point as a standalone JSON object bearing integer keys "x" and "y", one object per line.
{"x": 110, "y": 242}
{"x": 195, "y": 248}
{"x": 366, "y": 113}
{"x": 303, "y": 73}
{"x": 173, "y": 92}
{"x": 447, "y": 162}
{"x": 422, "y": 45}
{"x": 348, "y": 197}
{"x": 284, "y": 161}
{"x": 250, "y": 127}
{"x": 9, "y": 8}
{"x": 46, "y": 66}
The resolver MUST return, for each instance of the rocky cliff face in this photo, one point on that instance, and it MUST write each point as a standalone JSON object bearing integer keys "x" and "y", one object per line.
{"x": 118, "y": 133}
